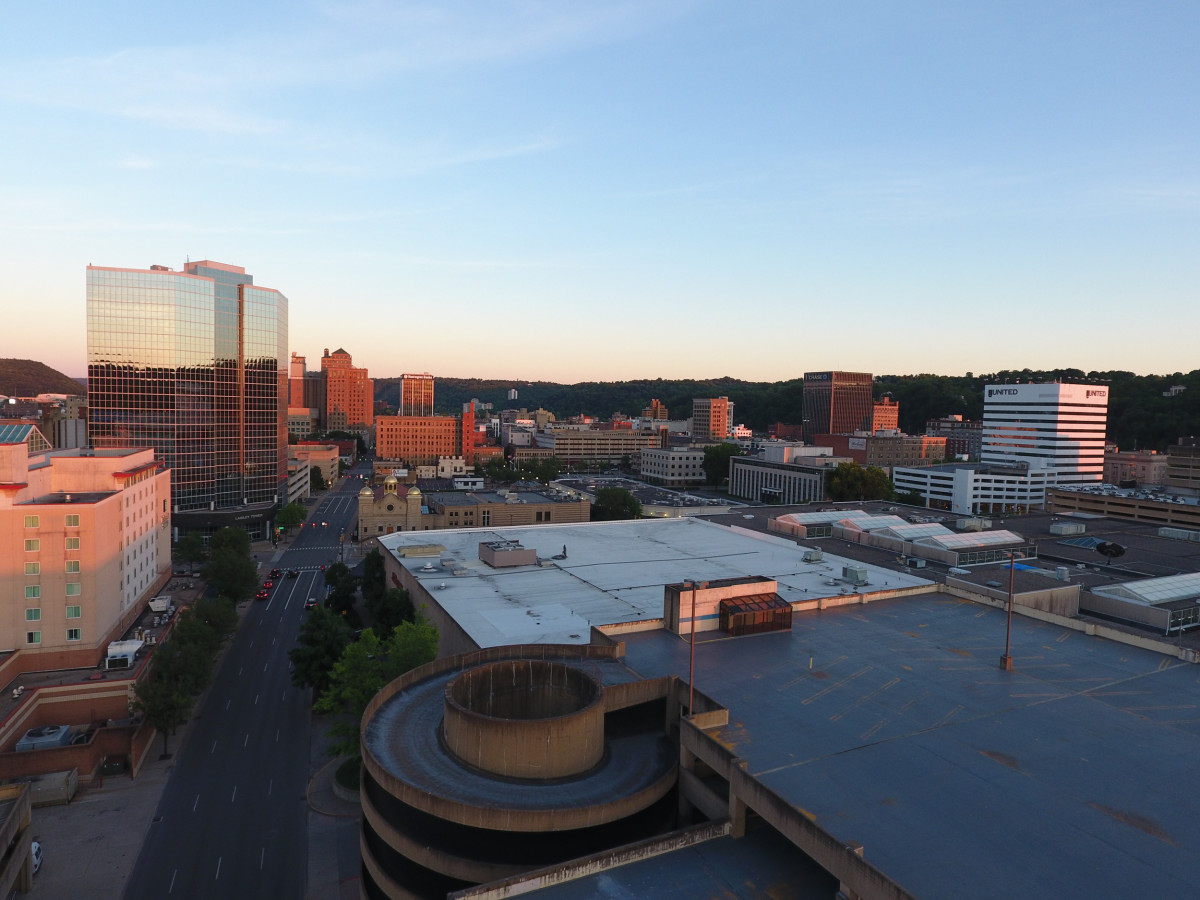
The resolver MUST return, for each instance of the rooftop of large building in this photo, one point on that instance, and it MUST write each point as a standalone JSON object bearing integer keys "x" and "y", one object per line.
{"x": 613, "y": 572}
{"x": 893, "y": 726}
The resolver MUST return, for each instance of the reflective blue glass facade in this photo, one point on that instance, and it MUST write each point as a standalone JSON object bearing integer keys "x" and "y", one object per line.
{"x": 194, "y": 364}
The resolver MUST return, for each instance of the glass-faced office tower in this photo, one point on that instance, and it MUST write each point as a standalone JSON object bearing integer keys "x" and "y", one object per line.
{"x": 194, "y": 364}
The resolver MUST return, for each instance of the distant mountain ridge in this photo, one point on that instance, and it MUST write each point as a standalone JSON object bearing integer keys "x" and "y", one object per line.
{"x": 28, "y": 378}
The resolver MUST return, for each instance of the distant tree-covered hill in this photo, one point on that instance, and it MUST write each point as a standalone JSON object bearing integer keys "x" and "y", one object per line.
{"x": 1139, "y": 416}
{"x": 28, "y": 378}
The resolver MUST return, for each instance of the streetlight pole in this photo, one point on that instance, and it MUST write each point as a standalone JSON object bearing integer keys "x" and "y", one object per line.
{"x": 1006, "y": 661}
{"x": 692, "y": 653}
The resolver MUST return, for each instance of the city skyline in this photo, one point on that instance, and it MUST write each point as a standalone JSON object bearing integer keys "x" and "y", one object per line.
{"x": 932, "y": 190}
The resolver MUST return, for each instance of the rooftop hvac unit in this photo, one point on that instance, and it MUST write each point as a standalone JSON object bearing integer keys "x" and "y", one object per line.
{"x": 973, "y": 524}
{"x": 1062, "y": 528}
{"x": 1179, "y": 534}
{"x": 855, "y": 574}
{"x": 1062, "y": 573}
{"x": 813, "y": 555}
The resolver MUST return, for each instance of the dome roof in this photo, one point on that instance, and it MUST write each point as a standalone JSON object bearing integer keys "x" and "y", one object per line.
{"x": 391, "y": 479}
{"x": 366, "y": 492}
{"x": 414, "y": 492}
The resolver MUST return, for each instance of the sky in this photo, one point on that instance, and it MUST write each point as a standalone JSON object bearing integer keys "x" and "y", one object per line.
{"x": 608, "y": 191}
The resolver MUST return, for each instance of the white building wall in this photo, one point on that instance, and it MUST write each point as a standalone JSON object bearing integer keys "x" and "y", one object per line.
{"x": 1055, "y": 428}
{"x": 749, "y": 477}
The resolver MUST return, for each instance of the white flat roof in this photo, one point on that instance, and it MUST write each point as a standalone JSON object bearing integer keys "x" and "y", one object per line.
{"x": 614, "y": 573}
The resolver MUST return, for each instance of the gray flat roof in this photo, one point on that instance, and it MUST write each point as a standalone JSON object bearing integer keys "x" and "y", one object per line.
{"x": 763, "y": 864}
{"x": 893, "y": 725}
{"x": 614, "y": 572}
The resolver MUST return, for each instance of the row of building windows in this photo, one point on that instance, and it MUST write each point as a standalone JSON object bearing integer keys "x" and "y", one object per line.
{"x": 35, "y": 568}
{"x": 34, "y": 545}
{"x": 35, "y": 637}
{"x": 34, "y": 613}
{"x": 36, "y": 521}
{"x": 34, "y": 591}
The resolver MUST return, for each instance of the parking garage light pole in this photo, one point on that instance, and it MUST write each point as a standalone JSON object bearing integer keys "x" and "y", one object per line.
{"x": 1006, "y": 662}
{"x": 692, "y": 652}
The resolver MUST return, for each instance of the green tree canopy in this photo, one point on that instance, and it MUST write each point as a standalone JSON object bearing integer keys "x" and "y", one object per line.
{"x": 850, "y": 481}
{"x": 390, "y": 610}
{"x": 323, "y": 637}
{"x": 290, "y": 516}
{"x": 716, "y": 461}
{"x": 366, "y": 666}
{"x": 191, "y": 550}
{"x": 316, "y": 479}
{"x": 164, "y": 703}
{"x": 613, "y": 503}
{"x": 232, "y": 573}
{"x": 342, "y": 588}
{"x": 231, "y": 538}
{"x": 373, "y": 585}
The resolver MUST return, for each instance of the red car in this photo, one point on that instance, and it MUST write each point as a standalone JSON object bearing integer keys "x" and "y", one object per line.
{"x": 262, "y": 595}
{"x": 274, "y": 573}
{"x": 268, "y": 584}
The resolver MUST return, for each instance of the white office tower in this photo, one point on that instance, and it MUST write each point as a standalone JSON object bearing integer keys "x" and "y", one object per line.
{"x": 1053, "y": 428}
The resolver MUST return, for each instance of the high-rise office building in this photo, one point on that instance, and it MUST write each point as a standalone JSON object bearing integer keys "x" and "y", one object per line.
{"x": 194, "y": 364}
{"x": 349, "y": 393}
{"x": 1053, "y": 428}
{"x": 837, "y": 403}
{"x": 416, "y": 395}
{"x": 711, "y": 418}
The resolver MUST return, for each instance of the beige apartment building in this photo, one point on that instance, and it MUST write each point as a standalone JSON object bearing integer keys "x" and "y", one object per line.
{"x": 318, "y": 456}
{"x": 394, "y": 508}
{"x": 1133, "y": 468}
{"x": 85, "y": 542}
{"x": 573, "y": 446}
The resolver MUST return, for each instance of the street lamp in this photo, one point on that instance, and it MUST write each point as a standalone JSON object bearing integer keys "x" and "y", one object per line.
{"x": 1006, "y": 662}
{"x": 692, "y": 650}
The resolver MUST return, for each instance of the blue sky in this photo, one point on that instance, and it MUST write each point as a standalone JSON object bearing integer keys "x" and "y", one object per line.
{"x": 607, "y": 191}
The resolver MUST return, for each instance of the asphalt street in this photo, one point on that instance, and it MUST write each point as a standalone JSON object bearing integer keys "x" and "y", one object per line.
{"x": 232, "y": 819}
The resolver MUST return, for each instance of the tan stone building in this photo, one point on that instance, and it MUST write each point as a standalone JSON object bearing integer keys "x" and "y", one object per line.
{"x": 1133, "y": 468}
{"x": 318, "y": 456}
{"x": 395, "y": 507}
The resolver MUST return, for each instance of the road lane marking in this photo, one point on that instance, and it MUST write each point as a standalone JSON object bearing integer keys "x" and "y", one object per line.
{"x": 227, "y": 702}
{"x": 240, "y": 670}
{"x": 277, "y": 735}
{"x": 256, "y": 699}
{"x": 247, "y": 740}
{"x": 233, "y": 799}
{"x": 270, "y": 785}
{"x": 197, "y": 803}
{"x": 218, "y": 875}
{"x": 172, "y": 887}
{"x": 264, "y": 667}
{"x": 262, "y": 858}
{"x": 214, "y": 748}
{"x": 283, "y": 696}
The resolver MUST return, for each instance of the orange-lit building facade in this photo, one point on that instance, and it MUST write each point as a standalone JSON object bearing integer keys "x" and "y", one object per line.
{"x": 837, "y": 403}
{"x": 656, "y": 411}
{"x": 887, "y": 451}
{"x": 416, "y": 395}
{"x": 885, "y": 416}
{"x": 711, "y": 418}
{"x": 85, "y": 541}
{"x": 421, "y": 440}
{"x": 349, "y": 393}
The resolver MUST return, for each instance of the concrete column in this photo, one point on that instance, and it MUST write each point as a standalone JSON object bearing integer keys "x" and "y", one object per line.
{"x": 844, "y": 892}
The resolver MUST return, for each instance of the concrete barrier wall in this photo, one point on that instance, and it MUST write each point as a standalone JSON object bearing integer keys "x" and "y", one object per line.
{"x": 1154, "y": 643}
{"x": 590, "y": 865}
